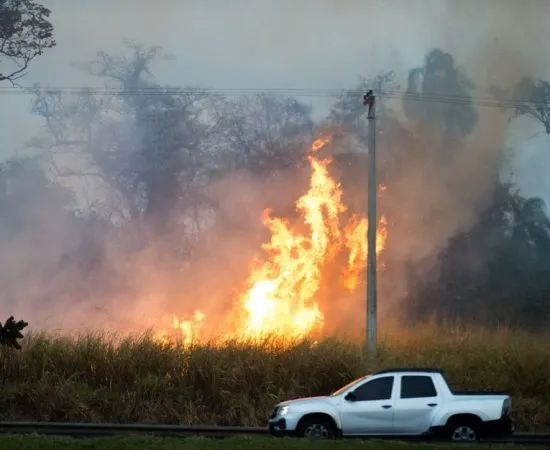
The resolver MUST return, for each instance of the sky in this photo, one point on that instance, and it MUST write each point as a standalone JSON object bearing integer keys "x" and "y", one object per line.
{"x": 298, "y": 44}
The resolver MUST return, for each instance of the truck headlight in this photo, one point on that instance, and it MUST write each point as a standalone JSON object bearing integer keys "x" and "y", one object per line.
{"x": 283, "y": 411}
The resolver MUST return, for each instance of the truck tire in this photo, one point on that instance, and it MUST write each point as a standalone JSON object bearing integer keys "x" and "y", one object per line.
{"x": 316, "y": 427}
{"x": 463, "y": 430}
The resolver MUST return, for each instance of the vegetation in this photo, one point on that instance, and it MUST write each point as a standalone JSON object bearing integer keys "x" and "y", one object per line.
{"x": 10, "y": 333}
{"x": 537, "y": 93}
{"x": 134, "y": 192}
{"x": 240, "y": 443}
{"x": 93, "y": 378}
{"x": 25, "y": 33}
{"x": 149, "y": 169}
{"x": 161, "y": 158}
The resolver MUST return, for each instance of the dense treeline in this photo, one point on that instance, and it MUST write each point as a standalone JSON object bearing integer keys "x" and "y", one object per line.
{"x": 136, "y": 163}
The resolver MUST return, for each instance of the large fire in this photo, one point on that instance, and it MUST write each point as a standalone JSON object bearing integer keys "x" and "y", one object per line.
{"x": 279, "y": 298}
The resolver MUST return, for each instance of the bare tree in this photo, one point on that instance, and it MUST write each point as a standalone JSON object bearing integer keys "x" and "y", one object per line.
{"x": 25, "y": 32}
{"x": 263, "y": 133}
{"x": 533, "y": 100}
{"x": 148, "y": 145}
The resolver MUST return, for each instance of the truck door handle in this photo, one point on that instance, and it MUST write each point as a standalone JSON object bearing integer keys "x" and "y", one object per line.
{"x": 432, "y": 404}
{"x": 386, "y": 406}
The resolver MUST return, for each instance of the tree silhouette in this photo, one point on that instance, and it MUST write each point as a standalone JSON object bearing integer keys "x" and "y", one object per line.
{"x": 25, "y": 32}
{"x": 439, "y": 93}
{"x": 533, "y": 97}
{"x": 10, "y": 332}
{"x": 496, "y": 272}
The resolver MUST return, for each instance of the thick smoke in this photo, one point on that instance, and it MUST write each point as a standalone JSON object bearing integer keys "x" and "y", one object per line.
{"x": 58, "y": 271}
{"x": 438, "y": 199}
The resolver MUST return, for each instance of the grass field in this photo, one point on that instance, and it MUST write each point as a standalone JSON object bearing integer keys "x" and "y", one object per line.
{"x": 241, "y": 443}
{"x": 91, "y": 378}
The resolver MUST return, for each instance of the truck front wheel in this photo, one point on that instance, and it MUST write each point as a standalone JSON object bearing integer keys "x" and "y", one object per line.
{"x": 316, "y": 427}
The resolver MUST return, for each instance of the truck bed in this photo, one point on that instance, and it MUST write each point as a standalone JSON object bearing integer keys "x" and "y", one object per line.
{"x": 480, "y": 393}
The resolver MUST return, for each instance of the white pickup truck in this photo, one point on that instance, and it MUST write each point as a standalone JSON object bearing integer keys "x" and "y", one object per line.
{"x": 396, "y": 403}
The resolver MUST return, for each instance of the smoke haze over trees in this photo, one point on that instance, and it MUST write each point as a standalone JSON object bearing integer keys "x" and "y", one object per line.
{"x": 140, "y": 200}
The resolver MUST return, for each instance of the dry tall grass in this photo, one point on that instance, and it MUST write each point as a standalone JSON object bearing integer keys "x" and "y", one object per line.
{"x": 95, "y": 378}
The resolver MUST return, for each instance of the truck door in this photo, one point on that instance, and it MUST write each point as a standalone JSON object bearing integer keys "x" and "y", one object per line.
{"x": 416, "y": 404}
{"x": 370, "y": 409}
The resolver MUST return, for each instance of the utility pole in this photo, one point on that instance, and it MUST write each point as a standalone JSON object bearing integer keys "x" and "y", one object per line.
{"x": 371, "y": 320}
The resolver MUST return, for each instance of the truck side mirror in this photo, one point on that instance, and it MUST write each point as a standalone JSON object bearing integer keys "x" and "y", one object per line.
{"x": 350, "y": 397}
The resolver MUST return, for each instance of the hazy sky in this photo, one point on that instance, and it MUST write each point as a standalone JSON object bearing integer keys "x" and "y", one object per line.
{"x": 294, "y": 44}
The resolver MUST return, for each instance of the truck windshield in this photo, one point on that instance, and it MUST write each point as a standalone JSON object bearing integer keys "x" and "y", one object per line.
{"x": 349, "y": 385}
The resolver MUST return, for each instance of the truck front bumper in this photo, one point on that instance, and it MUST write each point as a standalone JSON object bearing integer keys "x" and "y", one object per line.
{"x": 278, "y": 427}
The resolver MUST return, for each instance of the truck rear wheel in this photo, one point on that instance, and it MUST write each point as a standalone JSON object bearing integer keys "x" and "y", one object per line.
{"x": 463, "y": 430}
{"x": 316, "y": 428}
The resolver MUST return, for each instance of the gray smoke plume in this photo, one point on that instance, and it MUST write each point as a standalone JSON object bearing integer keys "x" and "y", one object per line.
{"x": 495, "y": 43}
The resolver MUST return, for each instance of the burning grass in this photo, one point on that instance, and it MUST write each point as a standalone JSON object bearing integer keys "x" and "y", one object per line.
{"x": 283, "y": 293}
{"x": 96, "y": 378}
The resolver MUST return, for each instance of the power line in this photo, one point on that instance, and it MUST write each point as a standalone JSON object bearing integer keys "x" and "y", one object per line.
{"x": 459, "y": 100}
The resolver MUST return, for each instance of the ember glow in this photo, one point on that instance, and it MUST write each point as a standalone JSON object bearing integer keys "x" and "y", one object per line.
{"x": 280, "y": 294}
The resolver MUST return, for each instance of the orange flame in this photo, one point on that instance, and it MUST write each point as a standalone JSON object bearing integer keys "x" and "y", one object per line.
{"x": 319, "y": 143}
{"x": 279, "y": 300}
{"x": 281, "y": 291}
{"x": 187, "y": 330}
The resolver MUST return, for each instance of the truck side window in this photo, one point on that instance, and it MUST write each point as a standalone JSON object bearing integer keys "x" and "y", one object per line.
{"x": 417, "y": 387}
{"x": 379, "y": 389}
